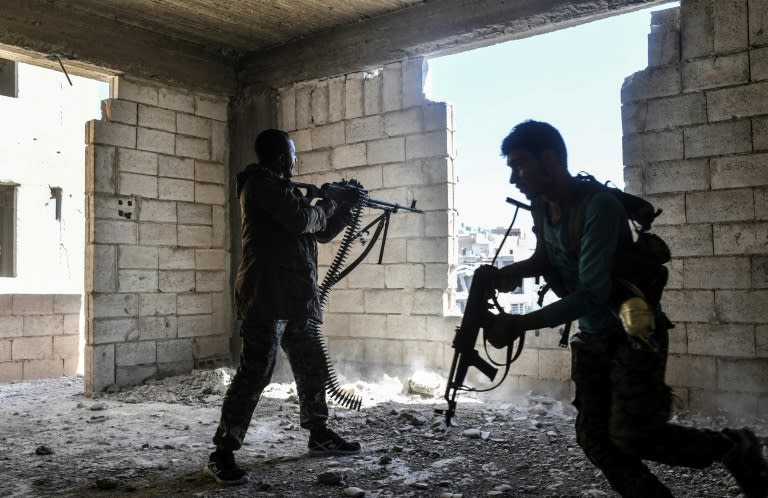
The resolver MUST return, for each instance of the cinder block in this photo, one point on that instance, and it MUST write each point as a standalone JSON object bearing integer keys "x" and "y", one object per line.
{"x": 761, "y": 341}
{"x": 302, "y": 140}
{"x": 10, "y": 372}
{"x": 174, "y": 189}
{"x": 438, "y": 170}
{"x": 385, "y": 300}
{"x": 730, "y": 405}
{"x": 366, "y": 276}
{"x": 740, "y": 238}
{"x": 66, "y": 346}
{"x": 287, "y": 114}
{"x": 372, "y": 93}
{"x": 336, "y": 97}
{"x": 136, "y": 161}
{"x": 220, "y": 226}
{"x": 414, "y": 73}
{"x": 72, "y": 323}
{"x": 406, "y": 225}
{"x": 403, "y": 174}
{"x": 329, "y": 135}
{"x": 437, "y": 116}
{"x": 211, "y": 259}
{"x": 554, "y": 364}
{"x": 197, "y": 148}
{"x": 721, "y": 339}
{"x": 758, "y": 60}
{"x": 157, "y": 327}
{"x": 11, "y": 326}
{"x": 195, "y": 126}
{"x": 406, "y": 327}
{"x": 717, "y": 273}
{"x": 689, "y": 305}
{"x": 155, "y": 140}
{"x": 176, "y": 167}
{"x": 99, "y": 367}
{"x": 157, "y": 304}
{"x": 176, "y": 350}
{"x": 692, "y": 371}
{"x": 313, "y": 162}
{"x": 119, "y": 111}
{"x": 433, "y": 250}
{"x": 157, "y": 234}
{"x": 346, "y": 156}
{"x": 389, "y": 150}
{"x": 678, "y": 339}
{"x": 677, "y": 176}
{"x": 100, "y": 169}
{"x": 760, "y": 134}
{"x": 364, "y": 129}
{"x": 6, "y": 304}
{"x": 367, "y": 325}
{"x": 653, "y": 147}
{"x": 134, "y": 375}
{"x": 729, "y": 137}
{"x": 211, "y": 281}
{"x": 438, "y": 276}
{"x": 737, "y": 102}
{"x": 720, "y": 205}
{"x": 139, "y": 185}
{"x": 176, "y": 258}
{"x": 5, "y": 352}
{"x": 176, "y": 281}
{"x": 135, "y": 91}
{"x": 675, "y": 280}
{"x": 194, "y": 304}
{"x": 211, "y": 346}
{"x": 103, "y": 274}
{"x": 432, "y": 197}
{"x": 392, "y": 84}
{"x": 652, "y": 82}
{"x": 303, "y": 106}
{"x": 633, "y": 117}
{"x": 195, "y": 325}
{"x": 157, "y": 118}
{"x": 663, "y": 47}
{"x": 195, "y": 236}
{"x": 442, "y": 328}
{"x": 43, "y": 369}
{"x": 715, "y": 72}
{"x": 741, "y": 306}
{"x": 406, "y": 122}
{"x": 673, "y": 112}
{"x": 176, "y": 100}
{"x": 759, "y": 272}
{"x": 742, "y": 375}
{"x": 739, "y": 171}
{"x": 430, "y": 144}
{"x": 113, "y": 305}
{"x": 137, "y": 280}
{"x": 336, "y": 325}
{"x": 633, "y": 180}
{"x": 32, "y": 348}
{"x": 67, "y": 303}
{"x": 353, "y": 96}
{"x": 32, "y": 304}
{"x": 109, "y": 330}
{"x": 211, "y": 107}
{"x": 105, "y": 133}
{"x": 429, "y": 302}
{"x": 527, "y": 364}
{"x": 210, "y": 172}
{"x": 219, "y": 142}
{"x": 158, "y": 211}
{"x": 758, "y": 19}
{"x": 319, "y": 96}
{"x": 731, "y": 30}
{"x": 346, "y": 301}
{"x": 38, "y": 325}
{"x": 194, "y": 214}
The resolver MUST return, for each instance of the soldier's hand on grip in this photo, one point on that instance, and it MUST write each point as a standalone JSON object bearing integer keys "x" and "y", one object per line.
{"x": 501, "y": 330}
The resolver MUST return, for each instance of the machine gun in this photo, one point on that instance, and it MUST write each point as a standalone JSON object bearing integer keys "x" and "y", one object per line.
{"x": 477, "y": 314}
{"x": 347, "y": 193}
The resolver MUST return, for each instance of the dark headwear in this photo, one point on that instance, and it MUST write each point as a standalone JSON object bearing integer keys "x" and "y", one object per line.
{"x": 270, "y": 144}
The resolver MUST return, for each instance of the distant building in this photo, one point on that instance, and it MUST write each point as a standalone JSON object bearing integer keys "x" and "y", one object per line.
{"x": 478, "y": 246}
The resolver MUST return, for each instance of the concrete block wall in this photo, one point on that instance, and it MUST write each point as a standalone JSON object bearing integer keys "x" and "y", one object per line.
{"x": 157, "y": 253}
{"x": 695, "y": 144}
{"x": 379, "y": 128}
{"x": 39, "y": 335}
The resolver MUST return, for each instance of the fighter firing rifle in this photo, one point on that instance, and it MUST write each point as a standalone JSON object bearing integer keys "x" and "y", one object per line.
{"x": 480, "y": 300}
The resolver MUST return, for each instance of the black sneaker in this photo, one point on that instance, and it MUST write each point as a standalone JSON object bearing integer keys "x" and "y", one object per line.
{"x": 324, "y": 441}
{"x": 222, "y": 467}
{"x": 746, "y": 464}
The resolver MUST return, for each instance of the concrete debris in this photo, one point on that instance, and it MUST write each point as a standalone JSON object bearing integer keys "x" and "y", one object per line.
{"x": 354, "y": 492}
{"x": 43, "y": 450}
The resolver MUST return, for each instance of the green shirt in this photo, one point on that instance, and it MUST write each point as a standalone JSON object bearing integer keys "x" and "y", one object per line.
{"x": 588, "y": 273}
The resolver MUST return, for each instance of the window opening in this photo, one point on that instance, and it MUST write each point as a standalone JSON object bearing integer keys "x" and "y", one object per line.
{"x": 8, "y": 230}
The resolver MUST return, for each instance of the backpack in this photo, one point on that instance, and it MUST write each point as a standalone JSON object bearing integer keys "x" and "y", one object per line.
{"x": 639, "y": 269}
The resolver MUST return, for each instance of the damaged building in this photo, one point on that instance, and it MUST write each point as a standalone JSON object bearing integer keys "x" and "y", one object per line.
{"x": 186, "y": 86}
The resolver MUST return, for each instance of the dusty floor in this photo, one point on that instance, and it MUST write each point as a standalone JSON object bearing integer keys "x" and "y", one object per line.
{"x": 152, "y": 440}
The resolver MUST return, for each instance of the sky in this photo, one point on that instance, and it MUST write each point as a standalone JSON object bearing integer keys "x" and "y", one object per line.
{"x": 569, "y": 78}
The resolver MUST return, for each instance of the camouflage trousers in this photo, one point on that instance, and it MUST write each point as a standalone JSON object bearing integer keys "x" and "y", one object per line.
{"x": 624, "y": 408}
{"x": 257, "y": 362}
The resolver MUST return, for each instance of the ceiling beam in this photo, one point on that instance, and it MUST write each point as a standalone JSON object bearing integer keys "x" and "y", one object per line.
{"x": 48, "y": 27}
{"x": 437, "y": 27}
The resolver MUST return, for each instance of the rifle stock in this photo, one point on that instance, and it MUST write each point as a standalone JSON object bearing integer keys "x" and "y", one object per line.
{"x": 465, "y": 355}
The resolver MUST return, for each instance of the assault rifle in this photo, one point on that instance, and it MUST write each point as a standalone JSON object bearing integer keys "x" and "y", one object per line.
{"x": 346, "y": 193}
{"x": 477, "y": 313}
